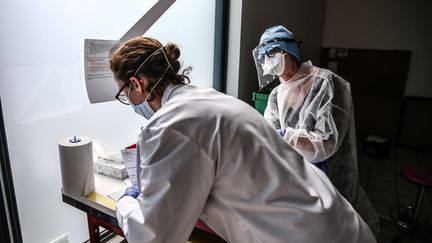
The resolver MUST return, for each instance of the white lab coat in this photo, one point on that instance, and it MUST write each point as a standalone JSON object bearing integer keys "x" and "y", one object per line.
{"x": 205, "y": 154}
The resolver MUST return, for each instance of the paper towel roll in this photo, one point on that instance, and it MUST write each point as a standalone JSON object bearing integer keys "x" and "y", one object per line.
{"x": 76, "y": 163}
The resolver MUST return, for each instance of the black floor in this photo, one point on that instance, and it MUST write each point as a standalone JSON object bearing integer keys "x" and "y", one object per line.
{"x": 386, "y": 189}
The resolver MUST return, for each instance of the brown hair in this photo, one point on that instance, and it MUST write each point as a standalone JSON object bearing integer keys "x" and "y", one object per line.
{"x": 131, "y": 55}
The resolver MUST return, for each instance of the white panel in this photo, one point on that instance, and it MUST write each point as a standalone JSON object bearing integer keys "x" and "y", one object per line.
{"x": 44, "y": 99}
{"x": 233, "y": 66}
{"x": 183, "y": 24}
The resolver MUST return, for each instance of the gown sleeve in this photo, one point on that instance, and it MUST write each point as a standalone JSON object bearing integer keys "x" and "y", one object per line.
{"x": 176, "y": 179}
{"x": 324, "y": 123}
{"x": 271, "y": 113}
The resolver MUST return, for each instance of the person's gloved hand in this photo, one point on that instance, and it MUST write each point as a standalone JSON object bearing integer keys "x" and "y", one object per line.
{"x": 322, "y": 166}
{"x": 132, "y": 192}
{"x": 281, "y": 132}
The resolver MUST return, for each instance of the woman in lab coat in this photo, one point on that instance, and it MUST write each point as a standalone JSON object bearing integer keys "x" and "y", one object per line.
{"x": 205, "y": 154}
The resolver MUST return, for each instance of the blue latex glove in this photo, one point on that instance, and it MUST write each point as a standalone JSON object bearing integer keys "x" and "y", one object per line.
{"x": 132, "y": 192}
{"x": 281, "y": 132}
{"x": 322, "y": 166}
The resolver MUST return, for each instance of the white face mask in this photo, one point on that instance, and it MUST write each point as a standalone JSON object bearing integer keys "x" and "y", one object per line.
{"x": 274, "y": 65}
{"x": 144, "y": 109}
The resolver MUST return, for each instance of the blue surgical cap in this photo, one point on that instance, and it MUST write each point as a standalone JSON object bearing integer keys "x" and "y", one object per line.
{"x": 279, "y": 37}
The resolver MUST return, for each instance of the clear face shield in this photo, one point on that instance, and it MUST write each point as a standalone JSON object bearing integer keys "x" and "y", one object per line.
{"x": 264, "y": 80}
{"x": 269, "y": 50}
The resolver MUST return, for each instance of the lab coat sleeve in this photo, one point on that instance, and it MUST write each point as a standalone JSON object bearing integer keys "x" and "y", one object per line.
{"x": 271, "y": 113}
{"x": 325, "y": 123}
{"x": 176, "y": 179}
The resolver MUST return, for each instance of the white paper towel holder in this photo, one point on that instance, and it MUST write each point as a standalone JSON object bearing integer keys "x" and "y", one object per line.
{"x": 76, "y": 164}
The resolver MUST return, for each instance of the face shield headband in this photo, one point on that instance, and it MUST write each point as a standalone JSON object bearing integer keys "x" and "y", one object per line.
{"x": 272, "y": 50}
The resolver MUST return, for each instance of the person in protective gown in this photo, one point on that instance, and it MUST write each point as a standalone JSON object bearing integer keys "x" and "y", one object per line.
{"x": 208, "y": 155}
{"x": 312, "y": 110}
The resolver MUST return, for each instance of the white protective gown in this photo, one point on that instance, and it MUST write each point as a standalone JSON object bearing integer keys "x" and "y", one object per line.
{"x": 205, "y": 154}
{"x": 315, "y": 108}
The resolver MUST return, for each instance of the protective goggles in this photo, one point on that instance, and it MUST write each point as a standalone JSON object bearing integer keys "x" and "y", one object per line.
{"x": 270, "y": 51}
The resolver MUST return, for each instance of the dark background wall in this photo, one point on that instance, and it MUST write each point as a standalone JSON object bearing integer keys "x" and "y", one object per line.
{"x": 385, "y": 106}
{"x": 388, "y": 25}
